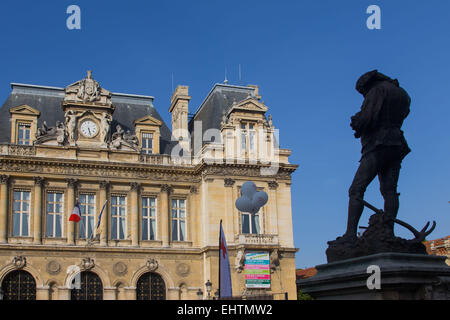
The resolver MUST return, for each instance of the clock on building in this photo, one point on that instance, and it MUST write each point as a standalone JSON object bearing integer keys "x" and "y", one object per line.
{"x": 89, "y": 128}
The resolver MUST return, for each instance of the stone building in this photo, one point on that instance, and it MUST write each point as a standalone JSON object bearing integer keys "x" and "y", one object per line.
{"x": 439, "y": 247}
{"x": 164, "y": 192}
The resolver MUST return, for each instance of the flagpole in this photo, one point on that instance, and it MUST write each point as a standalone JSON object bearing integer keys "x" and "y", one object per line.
{"x": 220, "y": 243}
{"x": 98, "y": 228}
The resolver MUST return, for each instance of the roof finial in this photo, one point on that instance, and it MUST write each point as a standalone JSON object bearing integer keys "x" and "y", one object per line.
{"x": 89, "y": 74}
{"x": 226, "y": 80}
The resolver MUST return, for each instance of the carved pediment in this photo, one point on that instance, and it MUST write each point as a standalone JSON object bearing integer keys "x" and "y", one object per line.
{"x": 25, "y": 110}
{"x": 87, "y": 91}
{"x": 149, "y": 121}
{"x": 248, "y": 105}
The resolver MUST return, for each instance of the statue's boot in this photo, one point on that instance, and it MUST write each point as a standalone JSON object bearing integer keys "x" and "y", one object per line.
{"x": 355, "y": 209}
{"x": 391, "y": 205}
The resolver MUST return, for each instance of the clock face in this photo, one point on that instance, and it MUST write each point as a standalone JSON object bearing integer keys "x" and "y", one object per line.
{"x": 89, "y": 128}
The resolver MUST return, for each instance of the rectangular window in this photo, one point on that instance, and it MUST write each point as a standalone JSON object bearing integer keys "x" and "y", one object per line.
{"x": 118, "y": 217}
{"x": 243, "y": 137}
{"x": 55, "y": 213}
{"x": 21, "y": 214}
{"x": 250, "y": 223}
{"x": 248, "y": 134}
{"x": 251, "y": 137}
{"x": 86, "y": 225}
{"x": 24, "y": 134}
{"x": 147, "y": 143}
{"x": 148, "y": 218}
{"x": 178, "y": 220}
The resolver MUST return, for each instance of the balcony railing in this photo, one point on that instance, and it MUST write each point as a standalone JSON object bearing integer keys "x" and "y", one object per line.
{"x": 17, "y": 150}
{"x": 261, "y": 239}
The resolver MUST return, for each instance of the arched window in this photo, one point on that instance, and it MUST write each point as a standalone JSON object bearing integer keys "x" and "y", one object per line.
{"x": 151, "y": 286}
{"x": 91, "y": 287}
{"x": 19, "y": 285}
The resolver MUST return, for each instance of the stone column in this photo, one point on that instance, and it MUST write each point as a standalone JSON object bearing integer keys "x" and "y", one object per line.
{"x": 229, "y": 204}
{"x": 104, "y": 222}
{"x": 134, "y": 213}
{"x": 42, "y": 293}
{"x": 173, "y": 293}
{"x": 109, "y": 293}
{"x": 4, "y": 208}
{"x": 165, "y": 216}
{"x": 63, "y": 293}
{"x": 272, "y": 217}
{"x": 130, "y": 293}
{"x": 37, "y": 210}
{"x": 71, "y": 185}
{"x": 193, "y": 216}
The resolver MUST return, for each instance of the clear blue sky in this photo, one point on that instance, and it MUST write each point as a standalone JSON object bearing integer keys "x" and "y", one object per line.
{"x": 306, "y": 57}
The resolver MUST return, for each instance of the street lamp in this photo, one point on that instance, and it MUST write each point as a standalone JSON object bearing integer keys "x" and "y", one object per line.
{"x": 199, "y": 294}
{"x": 208, "y": 285}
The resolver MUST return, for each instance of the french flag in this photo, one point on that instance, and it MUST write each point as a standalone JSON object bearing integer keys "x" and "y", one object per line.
{"x": 225, "y": 287}
{"x": 76, "y": 213}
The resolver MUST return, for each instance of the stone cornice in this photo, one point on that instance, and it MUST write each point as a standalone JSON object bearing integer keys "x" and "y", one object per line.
{"x": 187, "y": 173}
{"x": 89, "y": 249}
{"x": 68, "y": 168}
{"x": 233, "y": 247}
{"x": 60, "y": 249}
{"x": 284, "y": 171}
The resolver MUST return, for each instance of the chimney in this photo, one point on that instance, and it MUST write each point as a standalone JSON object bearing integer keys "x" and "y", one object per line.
{"x": 179, "y": 107}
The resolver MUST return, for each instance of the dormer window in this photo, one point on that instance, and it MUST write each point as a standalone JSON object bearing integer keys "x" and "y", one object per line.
{"x": 23, "y": 125}
{"x": 147, "y": 143}
{"x": 24, "y": 134}
{"x": 148, "y": 131}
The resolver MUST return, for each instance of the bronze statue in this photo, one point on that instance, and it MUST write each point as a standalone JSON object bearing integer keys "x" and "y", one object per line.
{"x": 378, "y": 124}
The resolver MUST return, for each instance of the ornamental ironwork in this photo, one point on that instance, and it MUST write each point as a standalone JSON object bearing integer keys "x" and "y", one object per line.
{"x": 19, "y": 285}
{"x": 91, "y": 287}
{"x": 151, "y": 286}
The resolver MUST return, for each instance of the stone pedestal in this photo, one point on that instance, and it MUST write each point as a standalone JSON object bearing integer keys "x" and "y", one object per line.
{"x": 403, "y": 277}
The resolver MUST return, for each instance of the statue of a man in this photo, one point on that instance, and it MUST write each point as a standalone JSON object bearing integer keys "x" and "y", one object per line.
{"x": 60, "y": 133}
{"x": 71, "y": 123}
{"x": 378, "y": 124}
{"x": 118, "y": 134}
{"x": 131, "y": 138}
{"x": 106, "y": 127}
{"x": 42, "y": 131}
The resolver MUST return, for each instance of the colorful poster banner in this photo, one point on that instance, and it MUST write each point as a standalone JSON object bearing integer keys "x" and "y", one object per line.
{"x": 257, "y": 270}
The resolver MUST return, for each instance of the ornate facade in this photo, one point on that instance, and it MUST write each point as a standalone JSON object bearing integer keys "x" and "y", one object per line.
{"x": 164, "y": 193}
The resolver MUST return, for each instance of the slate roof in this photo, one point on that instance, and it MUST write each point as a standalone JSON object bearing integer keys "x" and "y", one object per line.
{"x": 218, "y": 101}
{"x": 48, "y": 101}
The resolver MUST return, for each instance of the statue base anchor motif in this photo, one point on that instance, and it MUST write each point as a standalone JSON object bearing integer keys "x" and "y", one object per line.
{"x": 378, "y": 238}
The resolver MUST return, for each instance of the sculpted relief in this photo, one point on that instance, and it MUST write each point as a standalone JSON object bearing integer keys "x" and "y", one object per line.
{"x": 89, "y": 122}
{"x": 57, "y": 133}
{"x": 124, "y": 140}
{"x": 86, "y": 91}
